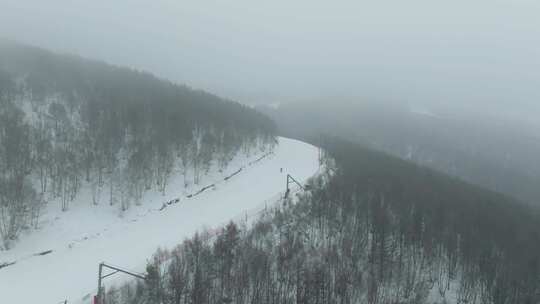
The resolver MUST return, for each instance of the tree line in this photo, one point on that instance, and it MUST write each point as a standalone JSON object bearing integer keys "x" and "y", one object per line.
{"x": 375, "y": 229}
{"x": 66, "y": 122}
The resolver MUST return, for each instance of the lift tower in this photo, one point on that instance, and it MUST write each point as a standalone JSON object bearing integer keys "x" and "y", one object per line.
{"x": 291, "y": 180}
{"x": 98, "y": 299}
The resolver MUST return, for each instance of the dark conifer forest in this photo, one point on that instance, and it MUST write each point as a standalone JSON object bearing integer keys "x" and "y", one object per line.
{"x": 66, "y": 121}
{"x": 371, "y": 229}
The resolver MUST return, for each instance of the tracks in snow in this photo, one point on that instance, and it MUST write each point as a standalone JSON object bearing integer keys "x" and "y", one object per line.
{"x": 162, "y": 208}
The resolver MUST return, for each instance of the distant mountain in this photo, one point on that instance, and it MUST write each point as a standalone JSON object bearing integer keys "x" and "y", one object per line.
{"x": 65, "y": 121}
{"x": 491, "y": 151}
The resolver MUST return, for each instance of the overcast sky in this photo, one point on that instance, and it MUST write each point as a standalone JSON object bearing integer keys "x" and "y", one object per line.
{"x": 467, "y": 51}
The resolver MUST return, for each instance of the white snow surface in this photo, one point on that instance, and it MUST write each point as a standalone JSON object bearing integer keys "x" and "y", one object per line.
{"x": 86, "y": 235}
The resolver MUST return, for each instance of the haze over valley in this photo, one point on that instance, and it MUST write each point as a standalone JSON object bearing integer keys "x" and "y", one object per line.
{"x": 211, "y": 152}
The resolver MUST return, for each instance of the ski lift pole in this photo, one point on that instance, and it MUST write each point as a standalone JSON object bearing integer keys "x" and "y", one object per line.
{"x": 99, "y": 297}
{"x": 291, "y": 180}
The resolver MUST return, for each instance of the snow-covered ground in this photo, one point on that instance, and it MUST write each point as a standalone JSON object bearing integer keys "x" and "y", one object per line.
{"x": 87, "y": 235}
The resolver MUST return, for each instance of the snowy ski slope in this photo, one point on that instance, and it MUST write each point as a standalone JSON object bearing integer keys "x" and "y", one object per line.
{"x": 60, "y": 260}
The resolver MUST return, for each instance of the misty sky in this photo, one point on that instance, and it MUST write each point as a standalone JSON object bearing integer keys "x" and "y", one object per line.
{"x": 270, "y": 51}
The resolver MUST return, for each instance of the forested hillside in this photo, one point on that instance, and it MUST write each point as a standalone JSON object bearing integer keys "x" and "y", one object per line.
{"x": 374, "y": 229}
{"x": 68, "y": 122}
{"x": 475, "y": 145}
